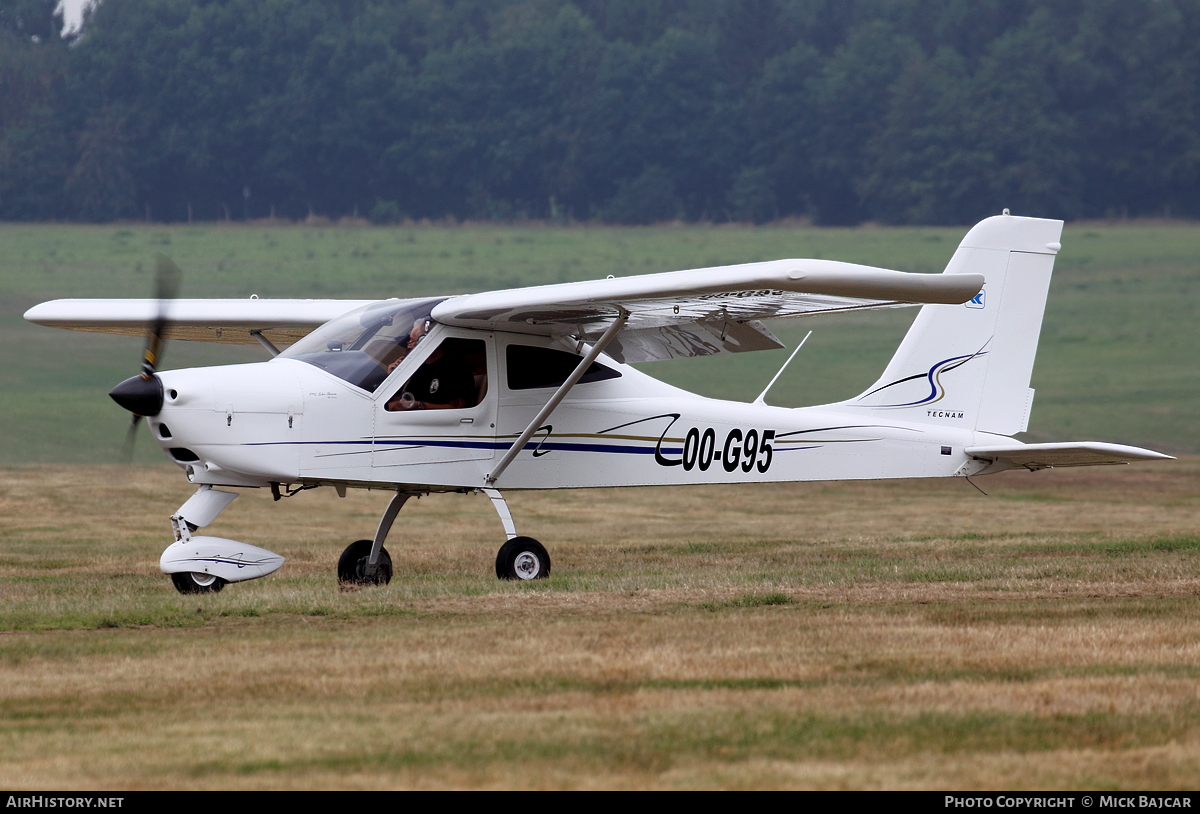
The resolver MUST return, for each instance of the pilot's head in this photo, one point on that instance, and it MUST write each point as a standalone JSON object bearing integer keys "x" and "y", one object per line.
{"x": 419, "y": 329}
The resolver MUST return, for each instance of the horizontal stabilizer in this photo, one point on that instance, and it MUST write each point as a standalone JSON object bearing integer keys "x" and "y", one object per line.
{"x": 1080, "y": 453}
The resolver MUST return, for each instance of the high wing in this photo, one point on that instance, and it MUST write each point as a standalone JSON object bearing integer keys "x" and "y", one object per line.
{"x": 230, "y": 322}
{"x": 671, "y": 315}
{"x": 701, "y": 311}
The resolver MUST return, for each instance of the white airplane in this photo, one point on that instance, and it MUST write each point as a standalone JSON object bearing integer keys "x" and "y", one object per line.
{"x": 530, "y": 388}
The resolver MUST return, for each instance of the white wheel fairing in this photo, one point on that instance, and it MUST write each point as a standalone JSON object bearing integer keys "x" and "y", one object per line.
{"x": 215, "y": 557}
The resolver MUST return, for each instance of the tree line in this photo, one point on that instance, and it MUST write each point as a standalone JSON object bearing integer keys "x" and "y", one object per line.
{"x": 624, "y": 111}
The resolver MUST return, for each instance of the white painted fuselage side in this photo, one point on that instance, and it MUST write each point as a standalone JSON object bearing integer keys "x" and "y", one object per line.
{"x": 287, "y": 421}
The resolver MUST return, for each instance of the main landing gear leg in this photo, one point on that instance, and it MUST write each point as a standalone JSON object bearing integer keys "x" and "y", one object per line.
{"x": 520, "y": 557}
{"x": 367, "y": 562}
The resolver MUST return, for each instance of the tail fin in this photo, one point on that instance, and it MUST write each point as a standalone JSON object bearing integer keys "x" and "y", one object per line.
{"x": 969, "y": 365}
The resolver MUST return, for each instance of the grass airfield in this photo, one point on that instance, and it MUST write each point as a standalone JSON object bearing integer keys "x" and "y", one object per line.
{"x": 907, "y": 634}
{"x": 854, "y": 635}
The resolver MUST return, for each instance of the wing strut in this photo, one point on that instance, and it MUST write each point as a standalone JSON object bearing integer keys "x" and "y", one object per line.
{"x": 558, "y": 396}
{"x": 266, "y": 343}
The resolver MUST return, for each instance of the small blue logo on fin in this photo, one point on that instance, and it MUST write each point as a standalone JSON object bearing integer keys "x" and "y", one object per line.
{"x": 977, "y": 301}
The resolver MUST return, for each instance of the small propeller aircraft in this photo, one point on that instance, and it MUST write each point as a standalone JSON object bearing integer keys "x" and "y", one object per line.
{"x": 531, "y": 388}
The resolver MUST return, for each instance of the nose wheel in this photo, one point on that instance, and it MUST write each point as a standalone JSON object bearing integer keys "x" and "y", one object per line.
{"x": 188, "y": 582}
{"x": 522, "y": 558}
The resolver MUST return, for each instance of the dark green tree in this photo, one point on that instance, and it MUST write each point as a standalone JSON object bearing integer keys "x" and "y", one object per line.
{"x": 907, "y": 111}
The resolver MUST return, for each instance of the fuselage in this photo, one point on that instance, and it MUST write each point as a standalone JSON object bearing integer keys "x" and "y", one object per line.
{"x": 287, "y": 421}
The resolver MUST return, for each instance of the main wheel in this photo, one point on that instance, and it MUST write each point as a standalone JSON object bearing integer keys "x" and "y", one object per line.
{"x": 522, "y": 558}
{"x": 189, "y": 582}
{"x": 352, "y": 565}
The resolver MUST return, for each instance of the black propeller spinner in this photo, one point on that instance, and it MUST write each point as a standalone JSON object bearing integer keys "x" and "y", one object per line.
{"x": 142, "y": 394}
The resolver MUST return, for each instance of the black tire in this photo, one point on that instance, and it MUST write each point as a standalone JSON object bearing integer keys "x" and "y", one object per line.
{"x": 188, "y": 583}
{"x": 522, "y": 558}
{"x": 351, "y": 567}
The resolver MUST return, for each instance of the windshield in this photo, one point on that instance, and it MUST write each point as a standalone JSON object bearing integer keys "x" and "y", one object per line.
{"x": 360, "y": 346}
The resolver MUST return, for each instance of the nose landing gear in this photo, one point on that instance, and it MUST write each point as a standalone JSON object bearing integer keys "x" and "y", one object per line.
{"x": 203, "y": 565}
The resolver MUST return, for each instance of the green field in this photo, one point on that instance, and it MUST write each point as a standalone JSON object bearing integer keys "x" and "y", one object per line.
{"x": 1116, "y": 360}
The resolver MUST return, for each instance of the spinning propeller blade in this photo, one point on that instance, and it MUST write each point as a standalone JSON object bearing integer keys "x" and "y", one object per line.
{"x": 130, "y": 438}
{"x": 167, "y": 276}
{"x": 142, "y": 395}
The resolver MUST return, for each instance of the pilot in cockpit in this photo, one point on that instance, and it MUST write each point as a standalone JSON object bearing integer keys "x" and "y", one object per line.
{"x": 444, "y": 382}
{"x": 403, "y": 349}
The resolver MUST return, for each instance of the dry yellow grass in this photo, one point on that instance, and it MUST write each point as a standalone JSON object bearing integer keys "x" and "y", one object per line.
{"x": 860, "y": 635}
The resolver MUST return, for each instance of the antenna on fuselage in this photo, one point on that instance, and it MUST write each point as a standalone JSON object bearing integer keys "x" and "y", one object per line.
{"x": 763, "y": 394}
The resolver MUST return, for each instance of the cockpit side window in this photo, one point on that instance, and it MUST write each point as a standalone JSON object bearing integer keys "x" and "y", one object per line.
{"x": 531, "y": 367}
{"x": 452, "y": 377}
